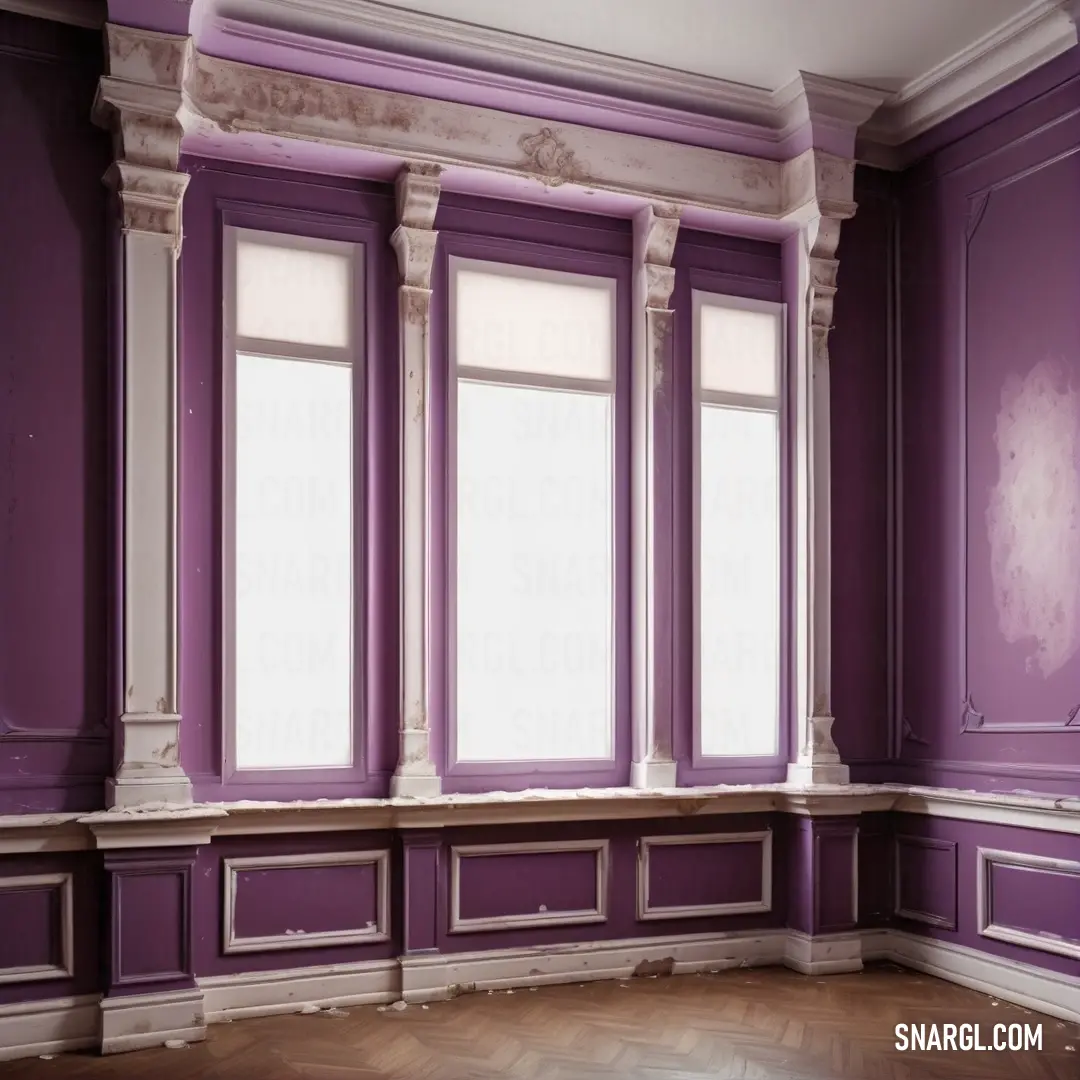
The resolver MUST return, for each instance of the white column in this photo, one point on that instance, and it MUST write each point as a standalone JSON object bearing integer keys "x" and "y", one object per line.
{"x": 653, "y": 764}
{"x": 140, "y": 100}
{"x": 818, "y": 760}
{"x": 414, "y": 242}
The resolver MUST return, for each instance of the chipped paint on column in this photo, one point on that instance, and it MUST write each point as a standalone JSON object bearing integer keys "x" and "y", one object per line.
{"x": 656, "y": 229}
{"x": 140, "y": 100}
{"x": 1033, "y": 516}
{"x": 414, "y": 241}
{"x": 823, "y": 184}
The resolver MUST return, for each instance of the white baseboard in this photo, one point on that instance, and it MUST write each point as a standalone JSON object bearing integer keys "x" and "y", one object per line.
{"x": 269, "y": 993}
{"x": 443, "y": 975}
{"x": 118, "y": 1024}
{"x": 141, "y": 1021}
{"x": 33, "y": 1028}
{"x": 1023, "y": 984}
{"x": 827, "y": 954}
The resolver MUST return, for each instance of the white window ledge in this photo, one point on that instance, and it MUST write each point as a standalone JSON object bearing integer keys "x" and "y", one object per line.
{"x": 164, "y": 825}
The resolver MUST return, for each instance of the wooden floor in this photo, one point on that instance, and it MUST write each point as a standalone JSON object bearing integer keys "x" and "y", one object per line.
{"x": 756, "y": 1025}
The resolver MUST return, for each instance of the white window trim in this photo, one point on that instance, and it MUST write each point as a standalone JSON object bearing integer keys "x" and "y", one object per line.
{"x": 494, "y": 376}
{"x": 702, "y": 298}
{"x": 346, "y": 356}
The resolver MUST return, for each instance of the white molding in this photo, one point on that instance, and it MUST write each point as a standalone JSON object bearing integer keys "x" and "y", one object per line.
{"x": 179, "y": 826}
{"x": 645, "y": 910}
{"x": 48, "y": 1027}
{"x": 56, "y": 1026}
{"x": 66, "y": 968}
{"x": 90, "y": 14}
{"x": 1025, "y": 810}
{"x": 656, "y": 229}
{"x": 436, "y": 977}
{"x": 1033, "y": 36}
{"x": 272, "y": 993}
{"x": 142, "y": 1021}
{"x": 987, "y": 859}
{"x": 598, "y": 914}
{"x": 824, "y": 954}
{"x": 1038, "y": 33}
{"x": 417, "y": 192}
{"x": 158, "y": 826}
{"x": 1031, "y": 987}
{"x": 300, "y": 939}
{"x": 28, "y": 834}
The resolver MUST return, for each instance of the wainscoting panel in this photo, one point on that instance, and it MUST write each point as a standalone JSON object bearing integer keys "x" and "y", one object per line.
{"x": 1029, "y": 900}
{"x": 306, "y": 901}
{"x": 926, "y": 881}
{"x": 685, "y": 877}
{"x": 513, "y": 886}
{"x": 36, "y": 928}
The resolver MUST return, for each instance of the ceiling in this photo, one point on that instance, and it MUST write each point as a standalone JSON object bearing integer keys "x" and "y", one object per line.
{"x": 762, "y": 43}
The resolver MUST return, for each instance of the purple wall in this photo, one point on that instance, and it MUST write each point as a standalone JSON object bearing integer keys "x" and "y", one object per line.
{"x": 991, "y": 449}
{"x": 54, "y": 491}
{"x": 860, "y": 370}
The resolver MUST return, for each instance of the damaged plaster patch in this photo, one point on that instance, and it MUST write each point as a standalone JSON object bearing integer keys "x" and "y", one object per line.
{"x": 1033, "y": 517}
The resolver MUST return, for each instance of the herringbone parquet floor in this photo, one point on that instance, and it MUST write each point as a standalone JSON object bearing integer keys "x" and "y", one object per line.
{"x": 754, "y": 1025}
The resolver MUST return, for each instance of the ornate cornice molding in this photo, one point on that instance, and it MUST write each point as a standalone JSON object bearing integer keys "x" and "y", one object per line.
{"x": 1033, "y": 36}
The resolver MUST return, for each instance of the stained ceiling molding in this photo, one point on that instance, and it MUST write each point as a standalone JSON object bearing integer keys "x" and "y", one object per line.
{"x": 87, "y": 13}
{"x": 1043, "y": 30}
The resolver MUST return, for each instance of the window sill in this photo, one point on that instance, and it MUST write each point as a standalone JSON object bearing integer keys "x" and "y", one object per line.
{"x": 171, "y": 826}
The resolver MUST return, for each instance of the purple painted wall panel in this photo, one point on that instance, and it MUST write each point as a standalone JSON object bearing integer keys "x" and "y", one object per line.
{"x": 926, "y": 879}
{"x": 991, "y": 453}
{"x": 859, "y": 372}
{"x": 622, "y": 919}
{"x": 31, "y": 916}
{"x": 54, "y": 490}
{"x": 524, "y": 883}
{"x": 690, "y": 875}
{"x": 157, "y": 902}
{"x": 290, "y": 900}
{"x": 876, "y": 866}
{"x": 835, "y": 878}
{"x": 31, "y": 930}
{"x": 282, "y": 910}
{"x": 968, "y": 837}
{"x": 1037, "y": 900}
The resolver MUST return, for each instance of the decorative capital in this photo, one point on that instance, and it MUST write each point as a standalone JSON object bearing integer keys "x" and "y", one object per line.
{"x": 415, "y": 250}
{"x": 656, "y": 228}
{"x": 140, "y": 101}
{"x": 417, "y": 189}
{"x": 150, "y": 199}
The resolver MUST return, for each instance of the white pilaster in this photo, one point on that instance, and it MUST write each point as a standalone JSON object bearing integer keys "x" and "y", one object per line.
{"x": 414, "y": 242}
{"x": 655, "y": 231}
{"x": 140, "y": 101}
{"x": 818, "y": 760}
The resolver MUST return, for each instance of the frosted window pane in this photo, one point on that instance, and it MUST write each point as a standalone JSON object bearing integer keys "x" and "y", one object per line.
{"x": 289, "y": 294}
{"x": 739, "y": 582}
{"x": 293, "y": 564}
{"x": 534, "y": 574}
{"x": 541, "y": 327}
{"x": 738, "y": 351}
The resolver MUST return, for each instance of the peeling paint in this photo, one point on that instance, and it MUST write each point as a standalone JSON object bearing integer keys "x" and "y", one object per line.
{"x": 652, "y": 968}
{"x": 1033, "y": 516}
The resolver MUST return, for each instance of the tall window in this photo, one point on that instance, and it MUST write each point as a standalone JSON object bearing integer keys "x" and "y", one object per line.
{"x": 291, "y": 342}
{"x": 737, "y": 351}
{"x": 532, "y": 388}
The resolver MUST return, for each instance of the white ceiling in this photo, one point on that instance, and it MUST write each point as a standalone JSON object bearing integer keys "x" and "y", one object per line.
{"x": 763, "y": 43}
